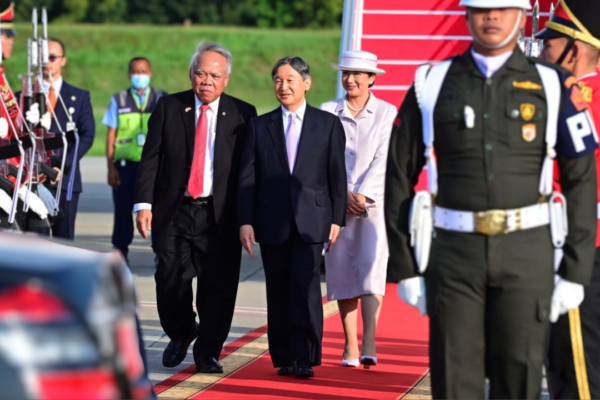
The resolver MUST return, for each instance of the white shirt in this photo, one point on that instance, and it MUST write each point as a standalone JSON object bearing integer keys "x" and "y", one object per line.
{"x": 57, "y": 85}
{"x": 298, "y": 121}
{"x": 210, "y": 152}
{"x": 489, "y": 65}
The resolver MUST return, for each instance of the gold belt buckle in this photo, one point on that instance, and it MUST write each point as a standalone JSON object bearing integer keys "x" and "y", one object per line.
{"x": 491, "y": 223}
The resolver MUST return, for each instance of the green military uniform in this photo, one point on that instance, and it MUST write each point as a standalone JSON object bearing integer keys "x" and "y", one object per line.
{"x": 488, "y": 297}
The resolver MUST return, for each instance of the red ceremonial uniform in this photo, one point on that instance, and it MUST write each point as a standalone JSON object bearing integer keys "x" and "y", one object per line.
{"x": 10, "y": 102}
{"x": 590, "y": 90}
{"x": 10, "y": 105}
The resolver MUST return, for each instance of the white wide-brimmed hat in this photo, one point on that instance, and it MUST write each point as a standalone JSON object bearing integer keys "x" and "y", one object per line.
{"x": 360, "y": 61}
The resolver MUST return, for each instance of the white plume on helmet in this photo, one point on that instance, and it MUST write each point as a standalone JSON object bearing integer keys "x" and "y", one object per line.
{"x": 523, "y": 4}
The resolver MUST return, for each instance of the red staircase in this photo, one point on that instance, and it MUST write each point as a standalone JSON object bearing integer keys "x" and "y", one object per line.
{"x": 407, "y": 33}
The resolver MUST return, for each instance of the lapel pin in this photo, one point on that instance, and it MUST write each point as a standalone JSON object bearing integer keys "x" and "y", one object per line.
{"x": 224, "y": 113}
{"x": 73, "y": 98}
{"x": 71, "y": 110}
{"x": 188, "y": 109}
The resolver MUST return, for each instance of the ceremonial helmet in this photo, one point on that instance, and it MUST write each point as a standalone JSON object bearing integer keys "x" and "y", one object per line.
{"x": 7, "y": 13}
{"x": 575, "y": 19}
{"x": 523, "y": 4}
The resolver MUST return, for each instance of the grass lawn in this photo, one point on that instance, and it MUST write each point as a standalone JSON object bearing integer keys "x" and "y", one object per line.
{"x": 98, "y": 56}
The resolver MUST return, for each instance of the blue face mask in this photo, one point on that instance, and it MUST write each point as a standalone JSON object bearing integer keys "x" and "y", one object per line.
{"x": 140, "y": 81}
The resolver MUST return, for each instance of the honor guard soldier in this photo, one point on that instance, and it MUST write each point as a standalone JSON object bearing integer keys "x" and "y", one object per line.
{"x": 490, "y": 124}
{"x": 7, "y": 36}
{"x": 127, "y": 121}
{"x": 572, "y": 40}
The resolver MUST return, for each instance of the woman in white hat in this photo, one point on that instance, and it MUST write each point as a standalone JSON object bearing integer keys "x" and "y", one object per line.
{"x": 356, "y": 266}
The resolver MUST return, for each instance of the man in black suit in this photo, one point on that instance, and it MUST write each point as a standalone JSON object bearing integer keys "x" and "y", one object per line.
{"x": 186, "y": 191}
{"x": 77, "y": 104}
{"x": 78, "y": 109}
{"x": 292, "y": 193}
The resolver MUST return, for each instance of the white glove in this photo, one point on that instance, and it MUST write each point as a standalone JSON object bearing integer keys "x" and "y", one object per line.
{"x": 48, "y": 199}
{"x": 566, "y": 296}
{"x": 33, "y": 114}
{"x": 3, "y": 128}
{"x": 412, "y": 292}
{"x": 5, "y": 202}
{"x": 46, "y": 121}
{"x": 35, "y": 203}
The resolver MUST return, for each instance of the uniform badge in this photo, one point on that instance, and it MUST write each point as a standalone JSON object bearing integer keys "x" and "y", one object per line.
{"x": 529, "y": 132}
{"x": 587, "y": 92}
{"x": 578, "y": 99}
{"x": 527, "y": 85}
{"x": 527, "y": 111}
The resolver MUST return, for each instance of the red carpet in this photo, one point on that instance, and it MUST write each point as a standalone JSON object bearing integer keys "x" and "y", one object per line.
{"x": 402, "y": 337}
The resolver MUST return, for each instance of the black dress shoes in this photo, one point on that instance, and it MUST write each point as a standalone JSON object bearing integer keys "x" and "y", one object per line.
{"x": 286, "y": 370}
{"x": 208, "y": 365}
{"x": 176, "y": 350}
{"x": 302, "y": 369}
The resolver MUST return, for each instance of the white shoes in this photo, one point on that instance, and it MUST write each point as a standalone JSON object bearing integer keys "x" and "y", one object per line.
{"x": 350, "y": 363}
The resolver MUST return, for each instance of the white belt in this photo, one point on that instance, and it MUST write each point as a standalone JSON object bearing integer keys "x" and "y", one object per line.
{"x": 492, "y": 222}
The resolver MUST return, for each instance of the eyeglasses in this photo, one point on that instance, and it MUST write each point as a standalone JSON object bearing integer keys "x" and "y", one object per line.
{"x": 53, "y": 57}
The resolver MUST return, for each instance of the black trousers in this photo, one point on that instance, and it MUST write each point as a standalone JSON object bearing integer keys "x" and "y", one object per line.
{"x": 575, "y": 341}
{"x": 294, "y": 303}
{"x": 488, "y": 302}
{"x": 64, "y": 228}
{"x": 192, "y": 247}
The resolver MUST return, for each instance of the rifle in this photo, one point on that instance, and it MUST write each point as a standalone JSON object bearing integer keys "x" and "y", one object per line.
{"x": 532, "y": 47}
{"x": 71, "y": 127}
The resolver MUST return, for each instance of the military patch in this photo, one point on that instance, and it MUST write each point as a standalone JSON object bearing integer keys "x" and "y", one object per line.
{"x": 587, "y": 93}
{"x": 527, "y": 111}
{"x": 578, "y": 99}
{"x": 528, "y": 85}
{"x": 570, "y": 82}
{"x": 529, "y": 132}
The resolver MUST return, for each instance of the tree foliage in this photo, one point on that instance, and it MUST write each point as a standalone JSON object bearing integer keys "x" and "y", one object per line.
{"x": 260, "y": 13}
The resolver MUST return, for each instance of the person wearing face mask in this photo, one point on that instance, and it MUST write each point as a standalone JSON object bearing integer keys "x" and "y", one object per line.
{"x": 127, "y": 121}
{"x": 490, "y": 124}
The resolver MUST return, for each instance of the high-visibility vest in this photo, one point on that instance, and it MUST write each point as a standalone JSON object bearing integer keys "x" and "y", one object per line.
{"x": 133, "y": 123}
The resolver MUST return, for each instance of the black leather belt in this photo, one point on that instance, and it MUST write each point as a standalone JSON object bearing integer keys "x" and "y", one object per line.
{"x": 200, "y": 202}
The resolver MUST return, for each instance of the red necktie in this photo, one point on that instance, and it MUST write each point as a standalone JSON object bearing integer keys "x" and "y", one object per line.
{"x": 196, "y": 182}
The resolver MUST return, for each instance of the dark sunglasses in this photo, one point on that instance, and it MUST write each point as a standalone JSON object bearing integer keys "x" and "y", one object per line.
{"x": 53, "y": 58}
